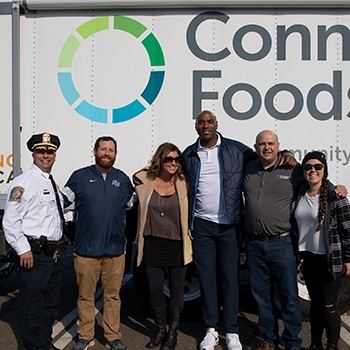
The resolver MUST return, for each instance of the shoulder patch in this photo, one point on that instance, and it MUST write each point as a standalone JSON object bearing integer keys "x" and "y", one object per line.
{"x": 16, "y": 194}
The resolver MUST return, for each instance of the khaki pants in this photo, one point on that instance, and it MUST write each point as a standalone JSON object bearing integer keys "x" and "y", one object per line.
{"x": 88, "y": 271}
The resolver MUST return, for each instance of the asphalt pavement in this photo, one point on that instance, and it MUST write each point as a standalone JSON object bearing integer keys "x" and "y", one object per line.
{"x": 136, "y": 324}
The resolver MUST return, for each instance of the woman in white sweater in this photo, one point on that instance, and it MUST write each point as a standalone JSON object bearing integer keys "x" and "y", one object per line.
{"x": 323, "y": 221}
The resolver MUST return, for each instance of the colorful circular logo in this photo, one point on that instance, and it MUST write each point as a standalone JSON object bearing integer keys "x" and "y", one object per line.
{"x": 138, "y": 105}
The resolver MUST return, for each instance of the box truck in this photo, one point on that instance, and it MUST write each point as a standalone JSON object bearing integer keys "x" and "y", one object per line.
{"x": 141, "y": 71}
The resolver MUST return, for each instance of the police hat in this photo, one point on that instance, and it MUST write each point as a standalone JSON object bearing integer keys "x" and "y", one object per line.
{"x": 43, "y": 141}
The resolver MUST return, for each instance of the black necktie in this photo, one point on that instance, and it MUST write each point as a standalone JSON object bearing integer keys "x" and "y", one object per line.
{"x": 58, "y": 202}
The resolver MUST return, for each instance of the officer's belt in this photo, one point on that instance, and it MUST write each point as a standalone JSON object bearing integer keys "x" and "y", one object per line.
{"x": 46, "y": 246}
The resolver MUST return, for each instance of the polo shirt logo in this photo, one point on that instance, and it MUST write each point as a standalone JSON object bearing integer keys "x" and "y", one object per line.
{"x": 115, "y": 183}
{"x": 282, "y": 177}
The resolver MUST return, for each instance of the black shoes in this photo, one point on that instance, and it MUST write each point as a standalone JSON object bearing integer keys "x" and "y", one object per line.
{"x": 319, "y": 346}
{"x": 316, "y": 346}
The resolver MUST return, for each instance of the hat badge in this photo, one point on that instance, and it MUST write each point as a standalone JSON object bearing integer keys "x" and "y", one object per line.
{"x": 46, "y": 138}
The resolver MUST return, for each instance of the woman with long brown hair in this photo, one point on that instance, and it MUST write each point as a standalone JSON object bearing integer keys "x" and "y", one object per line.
{"x": 323, "y": 221}
{"x": 164, "y": 241}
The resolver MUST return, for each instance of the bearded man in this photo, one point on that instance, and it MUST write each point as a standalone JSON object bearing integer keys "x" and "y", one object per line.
{"x": 100, "y": 193}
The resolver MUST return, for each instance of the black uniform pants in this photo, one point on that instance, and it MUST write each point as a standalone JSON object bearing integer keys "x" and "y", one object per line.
{"x": 40, "y": 289}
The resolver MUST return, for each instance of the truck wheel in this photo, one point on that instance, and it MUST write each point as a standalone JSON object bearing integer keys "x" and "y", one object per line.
{"x": 344, "y": 300}
{"x": 140, "y": 282}
{"x": 304, "y": 298}
{"x": 192, "y": 304}
{"x": 6, "y": 268}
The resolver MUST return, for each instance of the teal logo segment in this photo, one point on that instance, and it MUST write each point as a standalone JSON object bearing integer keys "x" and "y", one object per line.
{"x": 153, "y": 87}
{"x": 122, "y": 113}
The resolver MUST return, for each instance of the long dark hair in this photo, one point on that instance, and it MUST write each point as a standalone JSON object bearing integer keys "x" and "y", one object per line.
{"x": 322, "y": 203}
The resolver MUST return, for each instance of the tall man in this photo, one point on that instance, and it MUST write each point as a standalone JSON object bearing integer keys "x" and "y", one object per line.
{"x": 271, "y": 247}
{"x": 214, "y": 167}
{"x": 33, "y": 227}
{"x": 101, "y": 193}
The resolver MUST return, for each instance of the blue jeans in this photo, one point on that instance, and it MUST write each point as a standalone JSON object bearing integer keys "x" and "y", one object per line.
{"x": 216, "y": 250}
{"x": 273, "y": 264}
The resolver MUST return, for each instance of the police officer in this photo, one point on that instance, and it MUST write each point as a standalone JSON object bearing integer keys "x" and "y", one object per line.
{"x": 33, "y": 227}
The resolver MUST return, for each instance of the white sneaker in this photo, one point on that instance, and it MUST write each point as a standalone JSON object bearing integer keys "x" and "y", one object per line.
{"x": 232, "y": 341}
{"x": 210, "y": 340}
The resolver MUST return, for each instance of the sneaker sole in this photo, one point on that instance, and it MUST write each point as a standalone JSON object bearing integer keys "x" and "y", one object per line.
{"x": 109, "y": 347}
{"x": 209, "y": 348}
{"x": 92, "y": 343}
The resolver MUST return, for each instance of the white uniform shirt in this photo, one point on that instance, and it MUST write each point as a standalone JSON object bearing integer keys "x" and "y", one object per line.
{"x": 31, "y": 210}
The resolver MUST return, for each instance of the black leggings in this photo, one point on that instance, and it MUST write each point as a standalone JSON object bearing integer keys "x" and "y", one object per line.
{"x": 176, "y": 278}
{"x": 324, "y": 293}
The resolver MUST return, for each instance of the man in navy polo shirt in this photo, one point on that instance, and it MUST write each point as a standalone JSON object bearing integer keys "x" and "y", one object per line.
{"x": 100, "y": 193}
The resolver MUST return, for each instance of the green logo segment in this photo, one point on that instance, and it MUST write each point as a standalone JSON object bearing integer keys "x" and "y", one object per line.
{"x": 137, "y": 106}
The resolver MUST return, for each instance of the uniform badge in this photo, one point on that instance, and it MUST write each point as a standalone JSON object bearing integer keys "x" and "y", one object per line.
{"x": 46, "y": 138}
{"x": 16, "y": 194}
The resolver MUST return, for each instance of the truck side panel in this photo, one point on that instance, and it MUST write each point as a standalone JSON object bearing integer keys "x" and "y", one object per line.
{"x": 141, "y": 76}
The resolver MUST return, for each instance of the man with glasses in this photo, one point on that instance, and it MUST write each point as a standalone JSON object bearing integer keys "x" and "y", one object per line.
{"x": 33, "y": 227}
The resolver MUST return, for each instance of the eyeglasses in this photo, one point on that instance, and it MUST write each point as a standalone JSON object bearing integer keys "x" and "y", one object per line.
{"x": 43, "y": 151}
{"x": 308, "y": 167}
{"x": 171, "y": 159}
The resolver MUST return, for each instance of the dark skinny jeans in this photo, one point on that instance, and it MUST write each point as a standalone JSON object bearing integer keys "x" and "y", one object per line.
{"x": 155, "y": 277}
{"x": 324, "y": 293}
